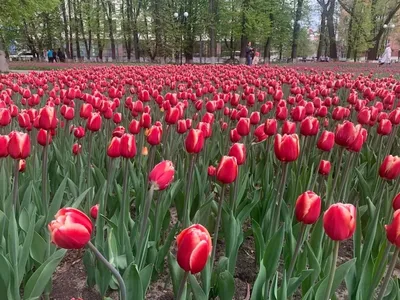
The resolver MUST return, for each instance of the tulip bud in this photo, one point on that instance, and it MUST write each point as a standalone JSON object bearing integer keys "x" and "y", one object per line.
{"x": 239, "y": 152}
{"x": 94, "y": 211}
{"x": 194, "y": 248}
{"x": 71, "y": 229}
{"x": 270, "y": 127}
{"x": 22, "y": 165}
{"x": 211, "y": 170}
{"x": 76, "y": 148}
{"x": 19, "y": 145}
{"x": 390, "y": 168}
{"x": 4, "y": 139}
{"x": 340, "y": 221}
{"x": 134, "y": 127}
{"x": 42, "y": 137}
{"x": 114, "y": 147}
{"x": 94, "y": 122}
{"x": 128, "y": 145}
{"x": 393, "y": 229}
{"x": 154, "y": 135}
{"x": 243, "y": 126}
{"x": 287, "y": 147}
{"x": 194, "y": 141}
{"x": 308, "y": 207}
{"x": 384, "y": 127}
{"x": 324, "y": 167}
{"x": 145, "y": 151}
{"x": 326, "y": 141}
{"x": 227, "y": 170}
{"x": 396, "y": 202}
{"x": 162, "y": 175}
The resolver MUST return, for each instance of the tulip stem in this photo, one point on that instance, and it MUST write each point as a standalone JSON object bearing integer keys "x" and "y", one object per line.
{"x": 388, "y": 274}
{"x": 182, "y": 286}
{"x": 337, "y": 172}
{"x": 332, "y": 270}
{"x": 143, "y": 227}
{"x": 15, "y": 187}
{"x": 44, "y": 172}
{"x": 296, "y": 251}
{"x": 187, "y": 206}
{"x": 125, "y": 205}
{"x": 277, "y": 214}
{"x": 113, "y": 270}
{"x": 235, "y": 192}
{"x": 89, "y": 170}
{"x": 381, "y": 268}
{"x": 317, "y": 171}
{"x": 214, "y": 250}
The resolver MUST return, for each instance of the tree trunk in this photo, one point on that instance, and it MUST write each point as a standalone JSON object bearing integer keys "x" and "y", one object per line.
{"x": 267, "y": 50}
{"x": 108, "y": 10}
{"x": 76, "y": 27}
{"x": 296, "y": 29}
{"x": 157, "y": 28}
{"x": 212, "y": 31}
{"x": 321, "y": 35}
{"x": 87, "y": 45}
{"x": 243, "y": 38}
{"x": 65, "y": 27}
{"x": 331, "y": 31}
{"x": 71, "y": 47}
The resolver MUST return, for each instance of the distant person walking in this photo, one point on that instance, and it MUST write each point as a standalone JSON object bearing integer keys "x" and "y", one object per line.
{"x": 386, "y": 56}
{"x": 61, "y": 56}
{"x": 50, "y": 55}
{"x": 249, "y": 54}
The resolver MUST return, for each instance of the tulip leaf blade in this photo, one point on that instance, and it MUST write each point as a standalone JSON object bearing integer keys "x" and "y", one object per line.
{"x": 176, "y": 273}
{"x": 273, "y": 252}
{"x": 295, "y": 282}
{"x": 198, "y": 292}
{"x": 24, "y": 254}
{"x": 77, "y": 202}
{"x": 134, "y": 286}
{"x": 57, "y": 200}
{"x": 38, "y": 248}
{"x": 340, "y": 274}
{"x": 226, "y": 286}
{"x": 5, "y": 275}
{"x": 40, "y": 278}
{"x": 145, "y": 277}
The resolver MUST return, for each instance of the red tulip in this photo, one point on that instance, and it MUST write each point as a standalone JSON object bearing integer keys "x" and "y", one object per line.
{"x": 270, "y": 127}
{"x": 384, "y": 127}
{"x": 281, "y": 113}
{"x": 79, "y": 132}
{"x": 154, "y": 135}
{"x": 326, "y": 141}
{"x": 22, "y": 165}
{"x": 47, "y": 118}
{"x": 114, "y": 148}
{"x": 227, "y": 170}
{"x": 181, "y": 126}
{"x": 128, "y": 145}
{"x": 393, "y": 229}
{"x": 206, "y": 128}
{"x": 340, "y": 221}
{"x": 5, "y": 117}
{"x": 71, "y": 229}
{"x": 194, "y": 248}
{"x": 254, "y": 118}
{"x": 287, "y": 147}
{"x": 238, "y": 151}
{"x": 309, "y": 126}
{"x": 260, "y": 134}
{"x": 162, "y": 175}
{"x": 69, "y": 113}
{"x": 308, "y": 207}
{"x": 172, "y": 115}
{"x": 234, "y": 136}
{"x": 117, "y": 118}
{"x": 134, "y": 127}
{"x": 19, "y": 145}
{"x": 118, "y": 131}
{"x": 396, "y": 202}
{"x": 86, "y": 110}
{"x": 298, "y": 113}
{"x": 194, "y": 141}
{"x": 211, "y": 170}
{"x": 324, "y": 167}
{"x": 364, "y": 116}
{"x": 145, "y": 120}
{"x": 76, "y": 148}
{"x": 94, "y": 211}
{"x": 288, "y": 127}
{"x": 390, "y": 168}
{"x": 346, "y": 133}
{"x": 243, "y": 126}
{"x": 94, "y": 122}
{"x": 42, "y": 137}
{"x": 4, "y": 139}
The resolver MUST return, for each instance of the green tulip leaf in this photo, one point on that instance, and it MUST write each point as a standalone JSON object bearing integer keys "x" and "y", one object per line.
{"x": 340, "y": 274}
{"x": 273, "y": 252}
{"x": 134, "y": 286}
{"x": 226, "y": 286}
{"x": 57, "y": 200}
{"x": 40, "y": 278}
{"x": 198, "y": 292}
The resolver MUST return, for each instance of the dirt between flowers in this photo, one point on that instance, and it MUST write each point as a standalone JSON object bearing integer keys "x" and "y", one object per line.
{"x": 69, "y": 280}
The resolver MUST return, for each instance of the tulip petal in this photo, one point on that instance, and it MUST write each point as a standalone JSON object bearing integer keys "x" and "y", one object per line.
{"x": 199, "y": 257}
{"x": 72, "y": 236}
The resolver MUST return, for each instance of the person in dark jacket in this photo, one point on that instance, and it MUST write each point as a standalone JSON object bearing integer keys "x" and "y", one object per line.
{"x": 249, "y": 54}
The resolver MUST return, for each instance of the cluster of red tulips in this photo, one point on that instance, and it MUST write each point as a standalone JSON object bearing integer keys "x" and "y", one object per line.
{"x": 184, "y": 164}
